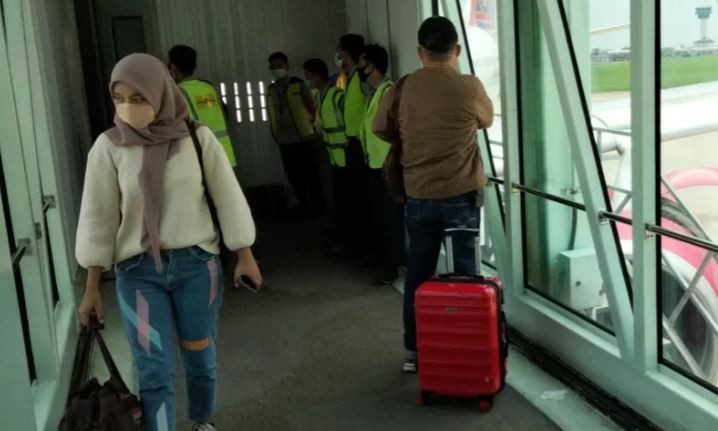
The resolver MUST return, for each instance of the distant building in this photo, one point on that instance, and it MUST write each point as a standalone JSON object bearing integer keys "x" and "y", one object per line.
{"x": 704, "y": 14}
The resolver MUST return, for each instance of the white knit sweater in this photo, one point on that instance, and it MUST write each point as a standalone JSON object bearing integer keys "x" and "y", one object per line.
{"x": 110, "y": 228}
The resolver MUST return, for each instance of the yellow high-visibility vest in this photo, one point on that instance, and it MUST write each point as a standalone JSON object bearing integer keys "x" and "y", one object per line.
{"x": 204, "y": 106}
{"x": 295, "y": 101}
{"x": 354, "y": 105}
{"x": 375, "y": 148}
{"x": 333, "y": 127}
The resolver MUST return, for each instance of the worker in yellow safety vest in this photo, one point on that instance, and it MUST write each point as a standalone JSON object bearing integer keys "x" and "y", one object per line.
{"x": 292, "y": 114}
{"x": 331, "y": 118}
{"x": 349, "y": 51}
{"x": 386, "y": 217}
{"x": 205, "y": 105}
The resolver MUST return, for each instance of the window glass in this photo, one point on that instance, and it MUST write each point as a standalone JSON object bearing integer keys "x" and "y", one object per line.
{"x": 602, "y": 37}
{"x": 689, "y": 185}
{"x": 561, "y": 257}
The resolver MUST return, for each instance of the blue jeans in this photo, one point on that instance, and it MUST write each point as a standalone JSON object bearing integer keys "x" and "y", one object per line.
{"x": 189, "y": 293}
{"x": 427, "y": 219}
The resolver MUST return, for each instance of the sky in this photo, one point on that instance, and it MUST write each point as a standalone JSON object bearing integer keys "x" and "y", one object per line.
{"x": 679, "y": 24}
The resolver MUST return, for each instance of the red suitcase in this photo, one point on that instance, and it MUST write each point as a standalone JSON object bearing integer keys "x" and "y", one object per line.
{"x": 461, "y": 335}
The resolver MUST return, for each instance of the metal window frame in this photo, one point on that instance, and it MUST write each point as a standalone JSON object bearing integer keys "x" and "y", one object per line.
{"x": 638, "y": 381}
{"x": 493, "y": 205}
{"x": 645, "y": 131}
{"x": 28, "y": 131}
{"x": 575, "y": 111}
{"x": 23, "y": 191}
{"x": 14, "y": 369}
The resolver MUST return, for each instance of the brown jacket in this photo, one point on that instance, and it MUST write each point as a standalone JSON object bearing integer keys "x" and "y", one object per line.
{"x": 439, "y": 115}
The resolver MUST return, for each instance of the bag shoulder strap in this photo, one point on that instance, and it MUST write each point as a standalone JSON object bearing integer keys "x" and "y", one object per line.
{"x": 109, "y": 362}
{"x": 197, "y": 147}
{"x": 191, "y": 125}
{"x": 81, "y": 364}
{"x": 396, "y": 104}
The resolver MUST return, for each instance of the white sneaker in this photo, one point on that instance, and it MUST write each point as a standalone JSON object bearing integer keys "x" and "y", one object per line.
{"x": 204, "y": 427}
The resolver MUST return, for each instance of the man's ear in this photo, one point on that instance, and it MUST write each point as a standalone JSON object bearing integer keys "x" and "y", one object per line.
{"x": 458, "y": 50}
{"x": 173, "y": 71}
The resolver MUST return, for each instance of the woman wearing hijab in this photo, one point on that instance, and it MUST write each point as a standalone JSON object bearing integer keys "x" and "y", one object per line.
{"x": 144, "y": 210}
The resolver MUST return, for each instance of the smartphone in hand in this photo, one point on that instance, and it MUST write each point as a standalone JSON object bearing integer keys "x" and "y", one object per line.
{"x": 248, "y": 284}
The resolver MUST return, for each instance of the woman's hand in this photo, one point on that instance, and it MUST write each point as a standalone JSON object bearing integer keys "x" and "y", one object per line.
{"x": 247, "y": 266}
{"x": 92, "y": 299}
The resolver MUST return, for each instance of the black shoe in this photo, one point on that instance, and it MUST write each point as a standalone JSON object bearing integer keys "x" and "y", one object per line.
{"x": 370, "y": 263}
{"x": 386, "y": 277}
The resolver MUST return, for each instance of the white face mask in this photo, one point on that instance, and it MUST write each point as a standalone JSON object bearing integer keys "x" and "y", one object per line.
{"x": 279, "y": 73}
{"x": 136, "y": 116}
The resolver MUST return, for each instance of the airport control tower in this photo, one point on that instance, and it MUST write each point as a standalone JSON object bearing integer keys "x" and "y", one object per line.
{"x": 704, "y": 13}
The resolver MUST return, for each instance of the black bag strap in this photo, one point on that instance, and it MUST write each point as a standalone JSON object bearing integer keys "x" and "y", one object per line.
{"x": 200, "y": 156}
{"x": 109, "y": 362}
{"x": 394, "y": 111}
{"x": 81, "y": 366}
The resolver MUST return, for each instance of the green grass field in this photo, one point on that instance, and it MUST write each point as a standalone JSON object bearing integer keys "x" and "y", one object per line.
{"x": 677, "y": 71}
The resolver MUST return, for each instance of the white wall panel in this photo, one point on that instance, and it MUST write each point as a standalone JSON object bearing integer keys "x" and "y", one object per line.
{"x": 404, "y": 21}
{"x": 378, "y": 22}
{"x": 392, "y": 24}
{"x": 60, "y": 114}
{"x": 357, "y": 19}
{"x": 233, "y": 39}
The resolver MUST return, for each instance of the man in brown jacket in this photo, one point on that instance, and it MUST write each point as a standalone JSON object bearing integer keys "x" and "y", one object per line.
{"x": 440, "y": 112}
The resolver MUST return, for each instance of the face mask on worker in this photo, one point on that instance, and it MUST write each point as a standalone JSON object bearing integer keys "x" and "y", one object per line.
{"x": 363, "y": 74}
{"x": 137, "y": 116}
{"x": 279, "y": 73}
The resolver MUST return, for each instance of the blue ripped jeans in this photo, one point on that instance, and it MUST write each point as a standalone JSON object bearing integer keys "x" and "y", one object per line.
{"x": 427, "y": 219}
{"x": 189, "y": 293}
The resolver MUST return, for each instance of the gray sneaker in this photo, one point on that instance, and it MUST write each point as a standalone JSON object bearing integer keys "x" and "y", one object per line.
{"x": 410, "y": 366}
{"x": 204, "y": 427}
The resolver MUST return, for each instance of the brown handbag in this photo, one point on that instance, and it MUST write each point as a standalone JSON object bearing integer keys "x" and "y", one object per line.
{"x": 95, "y": 407}
{"x": 393, "y": 169}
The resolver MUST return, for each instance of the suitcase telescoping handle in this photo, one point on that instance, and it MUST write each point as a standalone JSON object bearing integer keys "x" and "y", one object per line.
{"x": 449, "y": 246}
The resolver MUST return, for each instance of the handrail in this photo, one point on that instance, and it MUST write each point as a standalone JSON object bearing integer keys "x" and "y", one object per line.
{"x": 549, "y": 196}
{"x": 612, "y": 131}
{"x": 19, "y": 253}
{"x": 658, "y": 230}
{"x": 47, "y": 203}
{"x": 706, "y": 245}
{"x": 496, "y": 180}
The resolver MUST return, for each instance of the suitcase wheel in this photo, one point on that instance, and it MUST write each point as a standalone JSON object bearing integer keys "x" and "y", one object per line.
{"x": 423, "y": 398}
{"x": 485, "y": 404}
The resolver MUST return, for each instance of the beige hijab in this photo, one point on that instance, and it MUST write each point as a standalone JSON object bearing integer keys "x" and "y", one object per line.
{"x": 150, "y": 77}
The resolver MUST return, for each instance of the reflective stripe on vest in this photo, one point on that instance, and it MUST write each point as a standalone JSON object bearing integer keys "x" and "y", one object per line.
{"x": 333, "y": 126}
{"x": 376, "y": 148}
{"x": 355, "y": 104}
{"x": 300, "y": 116}
{"x": 204, "y": 106}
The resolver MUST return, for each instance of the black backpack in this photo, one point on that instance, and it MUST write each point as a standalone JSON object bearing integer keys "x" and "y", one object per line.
{"x": 95, "y": 407}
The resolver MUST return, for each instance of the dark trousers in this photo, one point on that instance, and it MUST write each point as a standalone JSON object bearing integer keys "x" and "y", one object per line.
{"x": 386, "y": 223}
{"x": 301, "y": 166}
{"x": 341, "y": 200}
{"x": 357, "y": 172}
{"x": 427, "y": 219}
